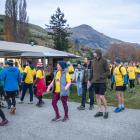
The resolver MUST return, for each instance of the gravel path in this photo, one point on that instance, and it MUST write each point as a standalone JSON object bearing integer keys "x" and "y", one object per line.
{"x": 33, "y": 123}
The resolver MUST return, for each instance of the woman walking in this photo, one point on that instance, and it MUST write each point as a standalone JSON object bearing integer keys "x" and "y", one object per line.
{"x": 61, "y": 82}
{"x": 40, "y": 86}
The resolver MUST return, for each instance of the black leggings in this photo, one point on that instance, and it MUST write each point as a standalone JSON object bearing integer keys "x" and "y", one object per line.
{"x": 10, "y": 98}
{"x": 2, "y": 115}
{"x": 132, "y": 83}
{"x": 38, "y": 97}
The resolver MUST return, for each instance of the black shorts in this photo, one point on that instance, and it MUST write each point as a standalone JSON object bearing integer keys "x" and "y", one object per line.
{"x": 100, "y": 88}
{"x": 120, "y": 88}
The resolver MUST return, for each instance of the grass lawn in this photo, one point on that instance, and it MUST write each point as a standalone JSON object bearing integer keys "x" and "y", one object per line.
{"x": 131, "y": 100}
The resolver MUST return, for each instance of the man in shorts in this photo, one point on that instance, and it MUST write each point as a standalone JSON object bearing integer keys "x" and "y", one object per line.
{"x": 120, "y": 80}
{"x": 100, "y": 75}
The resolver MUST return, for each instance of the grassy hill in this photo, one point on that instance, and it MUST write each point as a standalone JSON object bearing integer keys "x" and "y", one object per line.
{"x": 37, "y": 34}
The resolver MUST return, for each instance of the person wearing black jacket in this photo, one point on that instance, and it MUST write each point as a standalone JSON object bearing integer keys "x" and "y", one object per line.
{"x": 87, "y": 67}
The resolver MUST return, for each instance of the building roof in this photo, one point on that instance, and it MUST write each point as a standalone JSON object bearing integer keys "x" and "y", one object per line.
{"x": 13, "y": 49}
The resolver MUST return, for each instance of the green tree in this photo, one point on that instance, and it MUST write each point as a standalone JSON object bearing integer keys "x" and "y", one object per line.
{"x": 59, "y": 31}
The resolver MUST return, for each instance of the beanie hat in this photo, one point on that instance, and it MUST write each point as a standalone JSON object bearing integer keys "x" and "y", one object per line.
{"x": 9, "y": 62}
{"x": 118, "y": 61}
{"x": 39, "y": 65}
{"x": 62, "y": 64}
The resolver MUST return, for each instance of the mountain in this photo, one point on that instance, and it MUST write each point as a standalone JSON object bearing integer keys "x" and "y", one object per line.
{"x": 87, "y": 36}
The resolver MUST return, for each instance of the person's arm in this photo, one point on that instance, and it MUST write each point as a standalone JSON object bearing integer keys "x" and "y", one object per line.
{"x": 50, "y": 86}
{"x": 106, "y": 68}
{"x": 36, "y": 81}
{"x": 68, "y": 80}
{"x": 24, "y": 76}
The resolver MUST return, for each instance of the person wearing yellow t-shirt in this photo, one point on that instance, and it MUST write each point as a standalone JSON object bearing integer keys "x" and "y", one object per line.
{"x": 61, "y": 82}
{"x": 132, "y": 76}
{"x": 27, "y": 81}
{"x": 120, "y": 80}
{"x": 70, "y": 70}
{"x": 40, "y": 86}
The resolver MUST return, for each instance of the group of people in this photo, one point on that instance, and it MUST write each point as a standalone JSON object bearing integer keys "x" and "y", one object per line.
{"x": 14, "y": 79}
{"x": 91, "y": 77}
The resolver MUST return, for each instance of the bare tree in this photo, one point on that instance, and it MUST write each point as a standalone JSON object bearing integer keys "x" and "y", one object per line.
{"x": 23, "y": 31}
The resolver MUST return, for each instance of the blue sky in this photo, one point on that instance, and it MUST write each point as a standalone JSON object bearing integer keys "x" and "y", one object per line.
{"x": 116, "y": 18}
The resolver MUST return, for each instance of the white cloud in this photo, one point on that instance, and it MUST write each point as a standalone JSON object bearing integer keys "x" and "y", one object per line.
{"x": 116, "y": 18}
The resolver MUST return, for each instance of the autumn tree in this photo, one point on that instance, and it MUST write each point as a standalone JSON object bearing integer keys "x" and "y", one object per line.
{"x": 124, "y": 51}
{"x": 16, "y": 20}
{"x": 59, "y": 31}
{"x": 11, "y": 12}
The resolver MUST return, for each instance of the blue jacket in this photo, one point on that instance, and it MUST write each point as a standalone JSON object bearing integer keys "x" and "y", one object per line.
{"x": 11, "y": 78}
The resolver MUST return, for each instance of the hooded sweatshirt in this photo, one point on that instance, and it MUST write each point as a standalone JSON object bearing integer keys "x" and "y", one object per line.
{"x": 100, "y": 69}
{"x": 11, "y": 78}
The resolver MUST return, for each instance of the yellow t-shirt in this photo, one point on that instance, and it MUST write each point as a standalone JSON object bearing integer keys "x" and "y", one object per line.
{"x": 57, "y": 81}
{"x": 71, "y": 71}
{"x": 131, "y": 72}
{"x": 40, "y": 74}
{"x": 30, "y": 75}
{"x": 119, "y": 75}
{"x": 20, "y": 69}
{"x": 137, "y": 70}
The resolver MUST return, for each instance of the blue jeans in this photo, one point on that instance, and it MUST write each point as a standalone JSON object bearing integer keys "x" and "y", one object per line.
{"x": 91, "y": 94}
{"x": 24, "y": 89}
{"x": 79, "y": 88}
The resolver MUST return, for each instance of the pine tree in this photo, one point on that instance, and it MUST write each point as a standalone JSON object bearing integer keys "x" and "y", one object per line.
{"x": 59, "y": 31}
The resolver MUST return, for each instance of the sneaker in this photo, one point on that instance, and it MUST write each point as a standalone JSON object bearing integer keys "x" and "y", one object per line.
{"x": 13, "y": 110}
{"x": 123, "y": 108}
{"x": 31, "y": 102}
{"x": 98, "y": 114}
{"x": 117, "y": 110}
{"x": 20, "y": 102}
{"x": 65, "y": 119}
{"x": 39, "y": 104}
{"x": 105, "y": 115}
{"x": 3, "y": 122}
{"x": 81, "y": 108}
{"x": 91, "y": 107}
{"x": 56, "y": 119}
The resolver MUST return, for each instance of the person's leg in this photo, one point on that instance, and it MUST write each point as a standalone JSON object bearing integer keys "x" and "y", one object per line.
{"x": 104, "y": 102}
{"x": 91, "y": 95}
{"x": 30, "y": 86}
{"x": 118, "y": 94}
{"x": 78, "y": 88}
{"x": 2, "y": 115}
{"x": 84, "y": 88}
{"x": 4, "y": 120}
{"x": 24, "y": 89}
{"x": 131, "y": 85}
{"x": 8, "y": 100}
{"x": 64, "y": 100}
{"x": 13, "y": 96}
{"x": 122, "y": 98}
{"x": 99, "y": 104}
{"x": 55, "y": 99}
